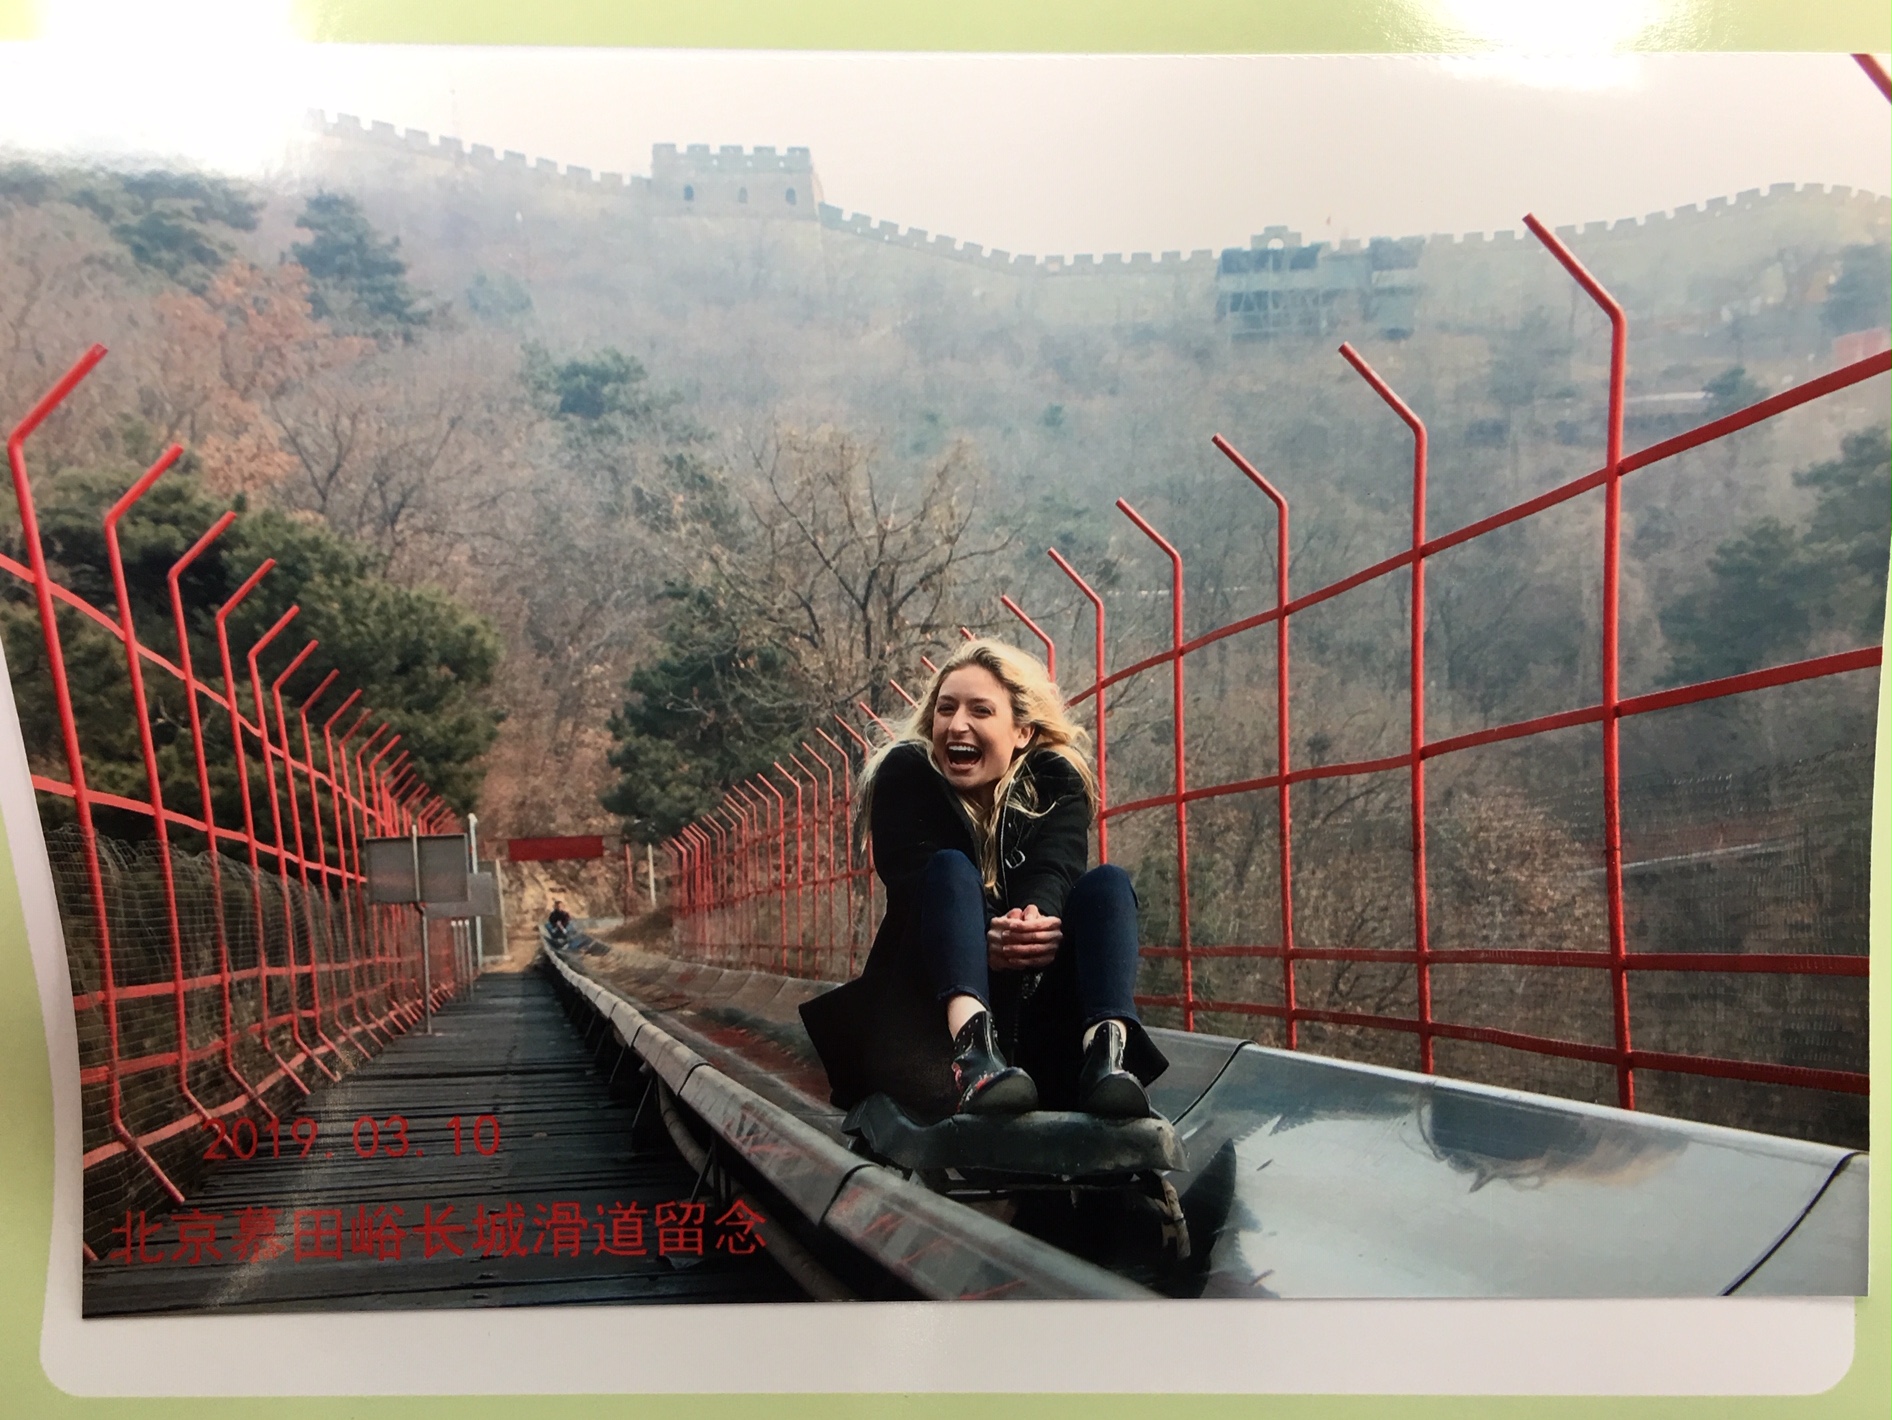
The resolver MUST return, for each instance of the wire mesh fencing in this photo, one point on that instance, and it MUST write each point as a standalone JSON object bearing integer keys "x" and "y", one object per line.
{"x": 277, "y": 988}
{"x": 211, "y": 989}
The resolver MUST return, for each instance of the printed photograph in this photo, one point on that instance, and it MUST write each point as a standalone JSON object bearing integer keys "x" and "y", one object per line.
{"x": 618, "y": 720}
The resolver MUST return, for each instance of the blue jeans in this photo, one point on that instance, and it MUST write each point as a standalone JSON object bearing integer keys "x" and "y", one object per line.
{"x": 1099, "y": 947}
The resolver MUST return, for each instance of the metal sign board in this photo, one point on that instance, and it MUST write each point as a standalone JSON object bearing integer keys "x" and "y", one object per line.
{"x": 443, "y": 868}
{"x": 391, "y": 875}
{"x": 482, "y": 900}
{"x": 430, "y": 868}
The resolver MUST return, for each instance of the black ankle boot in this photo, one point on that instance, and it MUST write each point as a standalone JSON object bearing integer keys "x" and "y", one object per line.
{"x": 1103, "y": 1086}
{"x": 984, "y": 1082}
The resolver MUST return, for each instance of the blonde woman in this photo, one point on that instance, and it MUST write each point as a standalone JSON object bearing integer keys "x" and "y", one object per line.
{"x": 997, "y": 944}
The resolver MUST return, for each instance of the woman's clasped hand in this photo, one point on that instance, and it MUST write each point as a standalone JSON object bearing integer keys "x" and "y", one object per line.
{"x": 1023, "y": 939}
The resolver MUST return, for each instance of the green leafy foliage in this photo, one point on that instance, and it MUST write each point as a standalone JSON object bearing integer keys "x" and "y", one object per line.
{"x": 170, "y": 223}
{"x": 716, "y": 703}
{"x": 1755, "y": 605}
{"x": 1773, "y": 591}
{"x": 497, "y": 300}
{"x": 625, "y": 447}
{"x": 1848, "y": 529}
{"x": 25, "y": 184}
{"x": 1731, "y": 390}
{"x": 602, "y": 398}
{"x": 421, "y": 661}
{"x": 1858, "y": 297}
{"x": 357, "y": 279}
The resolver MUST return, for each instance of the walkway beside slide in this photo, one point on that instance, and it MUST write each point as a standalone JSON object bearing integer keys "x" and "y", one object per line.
{"x": 487, "y": 1164}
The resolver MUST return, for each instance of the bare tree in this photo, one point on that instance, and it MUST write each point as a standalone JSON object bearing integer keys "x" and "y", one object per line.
{"x": 855, "y": 564}
{"x": 416, "y": 460}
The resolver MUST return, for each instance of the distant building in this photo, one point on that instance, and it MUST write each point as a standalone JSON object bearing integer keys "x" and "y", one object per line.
{"x": 730, "y": 182}
{"x": 1279, "y": 286}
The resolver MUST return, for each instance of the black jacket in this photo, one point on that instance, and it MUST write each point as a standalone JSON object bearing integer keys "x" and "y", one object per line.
{"x": 884, "y": 1031}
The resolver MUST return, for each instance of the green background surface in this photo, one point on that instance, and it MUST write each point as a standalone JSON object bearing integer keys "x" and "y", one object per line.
{"x": 1180, "y": 26}
{"x": 1123, "y": 26}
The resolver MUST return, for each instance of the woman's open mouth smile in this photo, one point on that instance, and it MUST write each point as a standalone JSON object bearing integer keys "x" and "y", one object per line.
{"x": 963, "y": 756}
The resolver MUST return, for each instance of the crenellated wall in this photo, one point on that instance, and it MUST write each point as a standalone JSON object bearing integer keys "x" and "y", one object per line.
{"x": 1201, "y": 261}
{"x": 725, "y": 180}
{"x": 1278, "y": 283}
{"x": 414, "y": 143}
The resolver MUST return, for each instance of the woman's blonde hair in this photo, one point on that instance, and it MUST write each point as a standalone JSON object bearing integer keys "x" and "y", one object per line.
{"x": 1036, "y": 703}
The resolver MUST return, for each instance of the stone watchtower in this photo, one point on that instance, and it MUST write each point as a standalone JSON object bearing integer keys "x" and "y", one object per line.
{"x": 732, "y": 183}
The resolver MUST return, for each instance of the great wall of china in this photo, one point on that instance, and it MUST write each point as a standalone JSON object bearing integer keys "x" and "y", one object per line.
{"x": 1757, "y": 250}
{"x": 717, "y": 173}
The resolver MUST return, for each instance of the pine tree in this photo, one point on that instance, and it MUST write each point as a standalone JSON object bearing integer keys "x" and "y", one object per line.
{"x": 716, "y": 704}
{"x": 357, "y": 279}
{"x": 1774, "y": 589}
{"x": 422, "y": 661}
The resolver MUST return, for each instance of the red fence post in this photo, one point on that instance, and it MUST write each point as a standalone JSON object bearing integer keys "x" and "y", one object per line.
{"x": 682, "y": 894}
{"x": 800, "y": 875}
{"x": 374, "y": 816}
{"x": 1103, "y": 757}
{"x": 1283, "y": 742}
{"x": 148, "y": 751}
{"x": 282, "y": 851}
{"x": 367, "y": 924}
{"x": 866, "y": 870}
{"x": 827, "y": 881}
{"x": 1051, "y": 649}
{"x": 340, "y": 962}
{"x": 698, "y": 865}
{"x": 214, "y": 855}
{"x": 1875, "y": 72}
{"x": 808, "y": 874}
{"x": 781, "y": 859}
{"x": 728, "y": 870}
{"x": 713, "y": 873}
{"x": 711, "y": 840}
{"x": 282, "y": 855}
{"x": 752, "y": 869}
{"x": 754, "y": 812}
{"x": 69, "y": 734}
{"x": 1416, "y": 698}
{"x": 222, "y": 622}
{"x": 843, "y": 807}
{"x": 1612, "y": 571}
{"x": 707, "y": 871}
{"x": 353, "y": 944}
{"x": 302, "y": 859}
{"x": 1175, "y": 659}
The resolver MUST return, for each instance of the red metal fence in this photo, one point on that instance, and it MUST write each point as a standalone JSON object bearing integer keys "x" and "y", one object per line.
{"x": 766, "y": 879}
{"x": 218, "y": 986}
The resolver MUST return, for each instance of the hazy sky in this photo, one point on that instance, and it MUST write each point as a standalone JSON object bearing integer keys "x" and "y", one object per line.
{"x": 1041, "y": 154}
